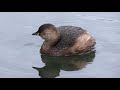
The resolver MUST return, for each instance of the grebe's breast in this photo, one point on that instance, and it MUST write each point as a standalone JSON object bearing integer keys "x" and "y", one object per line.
{"x": 68, "y": 36}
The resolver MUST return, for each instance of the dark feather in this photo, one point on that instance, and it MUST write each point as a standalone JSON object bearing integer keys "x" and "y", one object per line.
{"x": 69, "y": 34}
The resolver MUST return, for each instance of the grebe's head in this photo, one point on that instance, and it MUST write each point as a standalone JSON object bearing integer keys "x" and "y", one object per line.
{"x": 47, "y": 31}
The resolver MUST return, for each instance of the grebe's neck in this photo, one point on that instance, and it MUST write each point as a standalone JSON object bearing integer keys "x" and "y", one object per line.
{"x": 51, "y": 42}
{"x": 53, "y": 38}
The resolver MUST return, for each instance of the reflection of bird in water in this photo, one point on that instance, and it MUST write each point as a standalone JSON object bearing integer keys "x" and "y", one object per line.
{"x": 48, "y": 71}
{"x": 53, "y": 65}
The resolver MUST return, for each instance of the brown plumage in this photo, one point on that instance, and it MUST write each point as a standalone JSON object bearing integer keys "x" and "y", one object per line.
{"x": 64, "y": 40}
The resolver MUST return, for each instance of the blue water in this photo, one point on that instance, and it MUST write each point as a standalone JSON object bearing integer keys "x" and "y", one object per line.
{"x": 19, "y": 50}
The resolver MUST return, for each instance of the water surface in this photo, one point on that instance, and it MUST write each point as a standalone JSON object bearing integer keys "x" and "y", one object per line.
{"x": 19, "y": 50}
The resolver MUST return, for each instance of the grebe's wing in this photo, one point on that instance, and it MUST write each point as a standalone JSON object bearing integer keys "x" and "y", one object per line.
{"x": 68, "y": 36}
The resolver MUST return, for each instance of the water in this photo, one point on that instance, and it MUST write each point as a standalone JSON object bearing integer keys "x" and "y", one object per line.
{"x": 19, "y": 50}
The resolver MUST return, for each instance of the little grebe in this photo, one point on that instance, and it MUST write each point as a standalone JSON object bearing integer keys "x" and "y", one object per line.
{"x": 64, "y": 40}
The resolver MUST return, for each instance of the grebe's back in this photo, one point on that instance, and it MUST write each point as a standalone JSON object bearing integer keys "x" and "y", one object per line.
{"x": 68, "y": 36}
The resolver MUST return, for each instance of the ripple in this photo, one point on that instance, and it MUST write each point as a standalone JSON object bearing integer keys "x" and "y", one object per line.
{"x": 28, "y": 44}
{"x": 98, "y": 18}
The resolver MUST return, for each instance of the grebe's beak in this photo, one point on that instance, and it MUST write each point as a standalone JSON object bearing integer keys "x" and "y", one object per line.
{"x": 36, "y": 68}
{"x": 36, "y": 33}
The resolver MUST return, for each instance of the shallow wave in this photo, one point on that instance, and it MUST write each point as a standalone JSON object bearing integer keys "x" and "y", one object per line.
{"x": 88, "y": 17}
